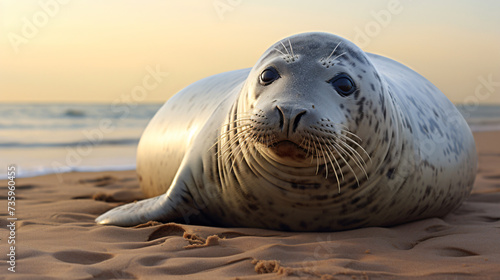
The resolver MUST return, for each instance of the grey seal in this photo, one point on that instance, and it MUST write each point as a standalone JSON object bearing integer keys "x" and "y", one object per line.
{"x": 317, "y": 136}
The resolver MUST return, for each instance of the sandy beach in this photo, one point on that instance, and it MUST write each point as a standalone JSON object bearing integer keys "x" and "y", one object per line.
{"x": 56, "y": 238}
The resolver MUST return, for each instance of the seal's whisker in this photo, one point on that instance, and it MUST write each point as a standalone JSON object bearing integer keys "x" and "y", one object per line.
{"x": 226, "y": 132}
{"x": 245, "y": 148}
{"x": 230, "y": 142}
{"x": 339, "y": 124}
{"x": 333, "y": 166}
{"x": 335, "y": 159}
{"x": 337, "y": 56}
{"x": 323, "y": 154}
{"x": 245, "y": 145}
{"x": 324, "y": 160}
{"x": 326, "y": 164}
{"x": 354, "y": 152}
{"x": 217, "y": 143}
{"x": 227, "y": 151}
{"x": 234, "y": 123}
{"x": 285, "y": 48}
{"x": 351, "y": 155}
{"x": 302, "y": 142}
{"x": 352, "y": 134}
{"x": 239, "y": 117}
{"x": 291, "y": 49}
{"x": 232, "y": 130}
{"x": 334, "y": 146}
{"x": 302, "y": 145}
{"x": 249, "y": 147}
{"x": 280, "y": 51}
{"x": 244, "y": 115}
{"x": 253, "y": 150}
{"x": 243, "y": 118}
{"x": 316, "y": 152}
{"x": 333, "y": 51}
{"x": 342, "y": 130}
{"x": 225, "y": 155}
{"x": 357, "y": 145}
{"x": 306, "y": 141}
{"x": 309, "y": 147}
{"x": 240, "y": 150}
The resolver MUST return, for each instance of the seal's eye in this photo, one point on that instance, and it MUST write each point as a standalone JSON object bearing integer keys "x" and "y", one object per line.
{"x": 343, "y": 84}
{"x": 268, "y": 76}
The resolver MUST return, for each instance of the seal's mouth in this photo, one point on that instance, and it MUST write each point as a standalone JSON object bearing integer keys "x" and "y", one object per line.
{"x": 288, "y": 149}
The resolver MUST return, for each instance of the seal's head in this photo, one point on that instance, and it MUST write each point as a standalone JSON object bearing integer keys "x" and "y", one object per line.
{"x": 311, "y": 100}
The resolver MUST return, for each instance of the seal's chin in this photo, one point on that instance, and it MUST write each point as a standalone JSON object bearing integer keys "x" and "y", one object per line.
{"x": 289, "y": 151}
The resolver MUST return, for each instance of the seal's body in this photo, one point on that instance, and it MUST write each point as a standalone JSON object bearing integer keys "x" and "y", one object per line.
{"x": 318, "y": 135}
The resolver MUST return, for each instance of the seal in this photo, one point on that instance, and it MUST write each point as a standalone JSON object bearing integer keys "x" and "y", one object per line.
{"x": 317, "y": 136}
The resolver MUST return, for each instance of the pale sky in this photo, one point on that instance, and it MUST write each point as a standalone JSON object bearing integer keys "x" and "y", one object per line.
{"x": 100, "y": 51}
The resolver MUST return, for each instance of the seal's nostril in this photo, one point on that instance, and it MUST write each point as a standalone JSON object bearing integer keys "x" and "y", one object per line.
{"x": 297, "y": 120}
{"x": 282, "y": 117}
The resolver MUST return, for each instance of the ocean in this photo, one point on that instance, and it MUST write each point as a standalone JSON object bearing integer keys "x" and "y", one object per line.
{"x": 53, "y": 138}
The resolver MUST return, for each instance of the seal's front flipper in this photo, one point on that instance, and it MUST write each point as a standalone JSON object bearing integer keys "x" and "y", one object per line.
{"x": 174, "y": 205}
{"x": 133, "y": 213}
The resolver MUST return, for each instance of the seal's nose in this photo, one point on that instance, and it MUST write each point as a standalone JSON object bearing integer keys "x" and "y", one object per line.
{"x": 289, "y": 118}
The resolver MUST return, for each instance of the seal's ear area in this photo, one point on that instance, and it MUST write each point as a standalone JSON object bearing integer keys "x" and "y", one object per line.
{"x": 269, "y": 75}
{"x": 343, "y": 84}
